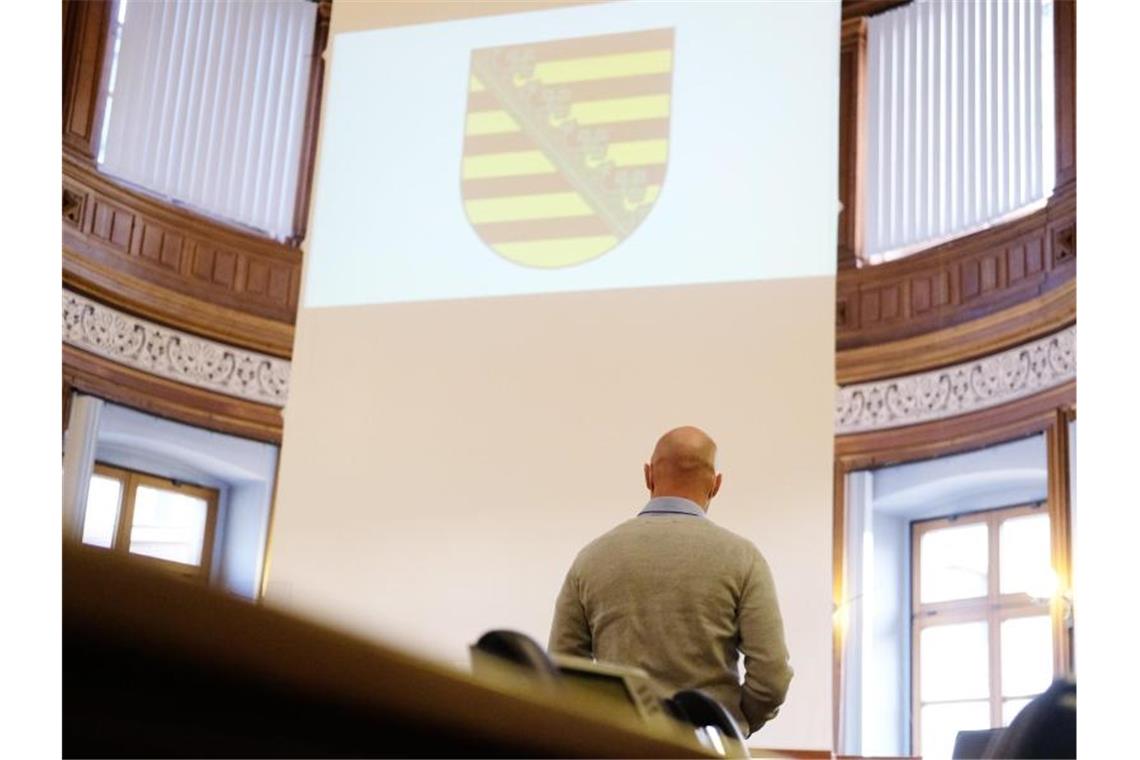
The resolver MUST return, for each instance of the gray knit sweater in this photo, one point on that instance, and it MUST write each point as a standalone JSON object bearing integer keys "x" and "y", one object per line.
{"x": 679, "y": 596}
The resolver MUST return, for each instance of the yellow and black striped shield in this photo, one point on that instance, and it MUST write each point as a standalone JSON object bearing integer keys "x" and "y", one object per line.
{"x": 566, "y": 143}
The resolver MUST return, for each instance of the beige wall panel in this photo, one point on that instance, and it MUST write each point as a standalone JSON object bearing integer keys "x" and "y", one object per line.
{"x": 444, "y": 461}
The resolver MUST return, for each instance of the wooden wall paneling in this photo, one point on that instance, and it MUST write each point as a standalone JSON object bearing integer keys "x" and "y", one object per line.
{"x": 1026, "y": 321}
{"x": 141, "y": 297}
{"x": 962, "y": 280}
{"x": 852, "y": 156}
{"x": 312, "y": 123}
{"x": 92, "y": 374}
{"x": 1065, "y": 82}
{"x": 86, "y": 26}
{"x": 176, "y": 267}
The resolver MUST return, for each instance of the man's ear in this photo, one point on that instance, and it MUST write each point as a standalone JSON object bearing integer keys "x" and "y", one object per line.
{"x": 716, "y": 485}
{"x": 649, "y": 477}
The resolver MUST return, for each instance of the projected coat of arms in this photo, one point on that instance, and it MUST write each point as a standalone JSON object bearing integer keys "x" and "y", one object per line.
{"x": 566, "y": 143}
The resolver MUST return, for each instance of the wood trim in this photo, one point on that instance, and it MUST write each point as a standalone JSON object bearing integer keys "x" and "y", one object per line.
{"x": 965, "y": 279}
{"x": 86, "y": 26}
{"x": 67, "y": 394}
{"x": 97, "y": 376}
{"x": 1060, "y": 516}
{"x": 312, "y": 123}
{"x": 144, "y": 299}
{"x": 1065, "y": 84}
{"x": 1047, "y": 313}
{"x": 852, "y": 155}
{"x": 839, "y": 628}
{"x": 860, "y": 8}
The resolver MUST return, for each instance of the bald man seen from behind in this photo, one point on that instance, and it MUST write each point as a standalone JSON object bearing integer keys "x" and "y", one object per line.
{"x": 673, "y": 593}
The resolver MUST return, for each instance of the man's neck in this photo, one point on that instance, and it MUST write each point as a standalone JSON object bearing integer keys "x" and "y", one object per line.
{"x": 698, "y": 499}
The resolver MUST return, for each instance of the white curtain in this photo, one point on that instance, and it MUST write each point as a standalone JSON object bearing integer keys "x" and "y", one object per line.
{"x": 960, "y": 118}
{"x": 208, "y": 102}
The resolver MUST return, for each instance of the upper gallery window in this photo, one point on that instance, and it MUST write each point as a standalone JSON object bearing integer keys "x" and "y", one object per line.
{"x": 206, "y": 105}
{"x": 960, "y": 124}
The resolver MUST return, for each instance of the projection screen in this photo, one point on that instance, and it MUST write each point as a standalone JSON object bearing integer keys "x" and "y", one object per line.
{"x": 541, "y": 236}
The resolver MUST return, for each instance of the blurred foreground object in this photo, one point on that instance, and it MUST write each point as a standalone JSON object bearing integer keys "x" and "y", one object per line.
{"x": 1045, "y": 728}
{"x": 155, "y": 666}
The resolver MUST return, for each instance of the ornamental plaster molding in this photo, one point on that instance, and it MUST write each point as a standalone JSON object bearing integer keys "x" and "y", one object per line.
{"x": 960, "y": 389}
{"x": 175, "y": 355}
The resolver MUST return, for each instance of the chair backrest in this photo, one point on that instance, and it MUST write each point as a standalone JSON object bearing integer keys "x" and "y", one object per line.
{"x": 972, "y": 745}
{"x": 1045, "y": 728}
{"x": 520, "y": 649}
{"x": 699, "y": 709}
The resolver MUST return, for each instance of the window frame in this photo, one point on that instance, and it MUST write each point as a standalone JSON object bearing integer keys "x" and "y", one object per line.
{"x": 994, "y": 609}
{"x": 129, "y": 482}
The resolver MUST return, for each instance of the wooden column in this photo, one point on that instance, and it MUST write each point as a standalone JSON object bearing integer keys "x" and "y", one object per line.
{"x": 1065, "y": 84}
{"x": 1060, "y": 515}
{"x": 852, "y": 118}
{"x": 86, "y": 26}
{"x": 312, "y": 124}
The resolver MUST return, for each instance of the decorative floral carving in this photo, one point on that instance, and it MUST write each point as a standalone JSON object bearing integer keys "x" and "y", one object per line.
{"x": 963, "y": 388}
{"x": 72, "y": 207}
{"x": 175, "y": 355}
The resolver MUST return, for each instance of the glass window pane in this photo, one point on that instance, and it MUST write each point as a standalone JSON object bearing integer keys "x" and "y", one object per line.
{"x": 941, "y": 724}
{"x": 1011, "y": 707}
{"x": 954, "y": 563}
{"x": 168, "y": 525}
{"x": 955, "y": 661}
{"x": 1024, "y": 550}
{"x": 1026, "y": 655}
{"x": 99, "y": 523}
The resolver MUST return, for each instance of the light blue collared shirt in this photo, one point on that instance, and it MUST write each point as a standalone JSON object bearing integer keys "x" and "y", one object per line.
{"x": 672, "y": 505}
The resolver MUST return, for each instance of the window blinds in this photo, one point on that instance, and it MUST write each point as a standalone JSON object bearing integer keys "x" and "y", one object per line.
{"x": 960, "y": 118}
{"x": 208, "y": 106}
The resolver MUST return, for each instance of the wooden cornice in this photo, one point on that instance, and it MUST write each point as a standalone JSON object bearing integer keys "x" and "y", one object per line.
{"x": 88, "y": 373}
{"x": 861, "y": 8}
{"x": 176, "y": 267}
{"x": 1047, "y": 313}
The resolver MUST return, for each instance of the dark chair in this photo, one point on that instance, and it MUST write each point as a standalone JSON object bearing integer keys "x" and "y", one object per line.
{"x": 519, "y": 649}
{"x": 1045, "y": 728}
{"x": 699, "y": 709}
{"x": 972, "y": 745}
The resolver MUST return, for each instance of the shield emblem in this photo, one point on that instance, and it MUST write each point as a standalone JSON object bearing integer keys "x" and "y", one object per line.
{"x": 565, "y": 144}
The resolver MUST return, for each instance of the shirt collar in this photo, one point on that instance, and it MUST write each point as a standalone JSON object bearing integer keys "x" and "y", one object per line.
{"x": 672, "y": 505}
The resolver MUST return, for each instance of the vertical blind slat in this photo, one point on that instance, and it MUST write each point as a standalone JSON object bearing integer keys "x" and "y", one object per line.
{"x": 955, "y": 93}
{"x": 209, "y": 105}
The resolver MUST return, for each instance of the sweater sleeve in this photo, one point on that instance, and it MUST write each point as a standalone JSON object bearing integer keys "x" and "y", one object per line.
{"x": 767, "y": 672}
{"x": 570, "y": 632}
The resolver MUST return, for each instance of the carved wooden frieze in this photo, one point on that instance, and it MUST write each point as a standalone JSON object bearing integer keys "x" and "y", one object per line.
{"x": 959, "y": 389}
{"x": 172, "y": 354}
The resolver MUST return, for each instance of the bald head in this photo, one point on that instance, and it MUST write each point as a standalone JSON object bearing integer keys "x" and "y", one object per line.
{"x": 684, "y": 465}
